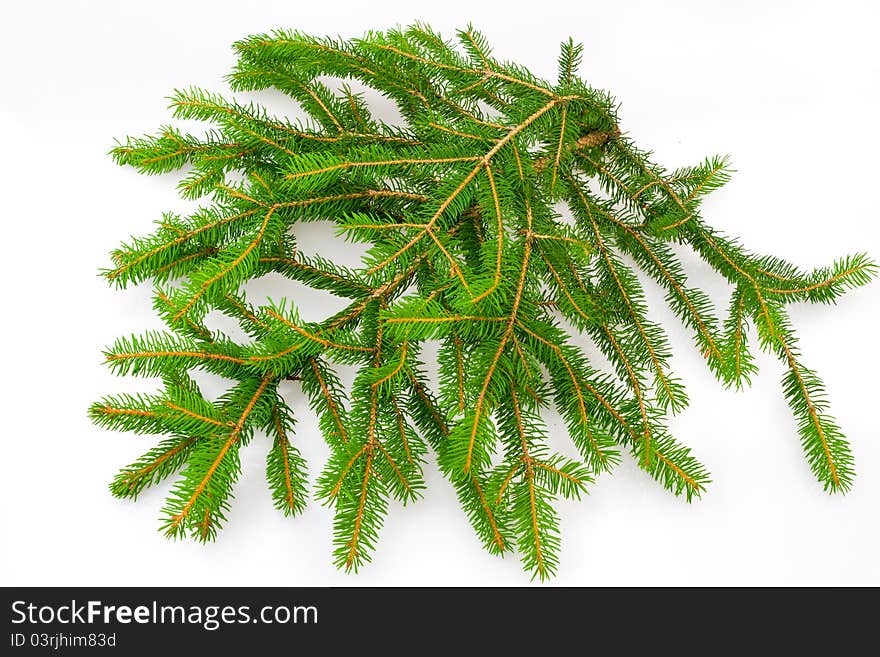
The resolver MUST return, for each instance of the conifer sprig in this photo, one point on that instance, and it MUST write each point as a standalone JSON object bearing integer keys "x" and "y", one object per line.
{"x": 460, "y": 206}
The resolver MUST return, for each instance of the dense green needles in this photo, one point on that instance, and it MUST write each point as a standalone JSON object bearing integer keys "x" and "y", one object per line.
{"x": 459, "y": 205}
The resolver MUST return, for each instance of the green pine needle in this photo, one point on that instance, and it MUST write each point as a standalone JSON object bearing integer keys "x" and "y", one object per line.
{"x": 459, "y": 208}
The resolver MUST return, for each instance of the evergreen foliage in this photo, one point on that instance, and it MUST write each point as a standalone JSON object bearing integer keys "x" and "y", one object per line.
{"x": 460, "y": 206}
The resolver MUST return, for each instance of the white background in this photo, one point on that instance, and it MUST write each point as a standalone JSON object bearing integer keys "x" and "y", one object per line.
{"x": 790, "y": 90}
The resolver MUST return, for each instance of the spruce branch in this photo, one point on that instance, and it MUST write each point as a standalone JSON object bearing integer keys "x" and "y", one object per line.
{"x": 459, "y": 207}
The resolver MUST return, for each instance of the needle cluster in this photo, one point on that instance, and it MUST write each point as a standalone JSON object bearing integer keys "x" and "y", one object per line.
{"x": 465, "y": 206}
